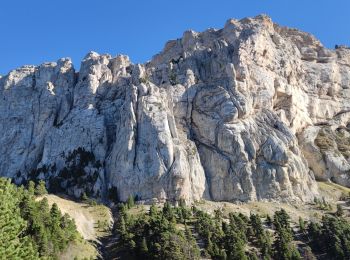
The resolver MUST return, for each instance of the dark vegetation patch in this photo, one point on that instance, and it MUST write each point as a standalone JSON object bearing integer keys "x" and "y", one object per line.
{"x": 81, "y": 171}
{"x": 74, "y": 174}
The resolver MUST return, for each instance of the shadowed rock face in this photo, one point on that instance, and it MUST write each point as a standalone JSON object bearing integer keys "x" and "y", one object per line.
{"x": 214, "y": 115}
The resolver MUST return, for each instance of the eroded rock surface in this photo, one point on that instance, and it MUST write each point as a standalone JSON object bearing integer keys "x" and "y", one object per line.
{"x": 215, "y": 115}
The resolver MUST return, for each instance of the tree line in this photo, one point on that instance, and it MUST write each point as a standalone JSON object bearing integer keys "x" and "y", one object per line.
{"x": 168, "y": 233}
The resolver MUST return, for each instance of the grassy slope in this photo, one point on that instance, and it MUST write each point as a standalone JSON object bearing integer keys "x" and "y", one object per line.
{"x": 307, "y": 212}
{"x": 330, "y": 191}
{"x": 86, "y": 219}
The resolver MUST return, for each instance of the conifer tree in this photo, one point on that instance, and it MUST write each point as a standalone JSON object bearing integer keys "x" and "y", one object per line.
{"x": 40, "y": 188}
{"x": 168, "y": 212}
{"x": 284, "y": 249}
{"x": 31, "y": 188}
{"x": 55, "y": 214}
{"x": 130, "y": 201}
{"x": 14, "y": 243}
{"x": 44, "y": 208}
{"x": 84, "y": 197}
{"x": 153, "y": 211}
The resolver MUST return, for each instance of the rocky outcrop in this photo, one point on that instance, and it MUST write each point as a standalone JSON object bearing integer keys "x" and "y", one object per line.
{"x": 215, "y": 115}
{"x": 326, "y": 147}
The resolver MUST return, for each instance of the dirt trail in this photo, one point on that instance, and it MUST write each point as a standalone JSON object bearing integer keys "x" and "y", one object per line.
{"x": 108, "y": 244}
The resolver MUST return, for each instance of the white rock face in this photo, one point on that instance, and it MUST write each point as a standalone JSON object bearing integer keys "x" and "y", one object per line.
{"x": 215, "y": 115}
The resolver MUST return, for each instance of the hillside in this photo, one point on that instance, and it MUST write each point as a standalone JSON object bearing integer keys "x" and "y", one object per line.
{"x": 256, "y": 230}
{"x": 93, "y": 223}
{"x": 59, "y": 228}
{"x": 36, "y": 225}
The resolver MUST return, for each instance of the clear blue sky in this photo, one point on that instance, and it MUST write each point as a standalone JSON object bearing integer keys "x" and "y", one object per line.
{"x": 35, "y": 31}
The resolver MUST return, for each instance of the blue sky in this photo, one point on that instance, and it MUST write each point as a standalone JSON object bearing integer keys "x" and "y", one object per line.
{"x": 35, "y": 31}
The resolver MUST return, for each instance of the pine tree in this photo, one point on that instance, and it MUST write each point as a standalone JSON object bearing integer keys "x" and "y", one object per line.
{"x": 31, "y": 188}
{"x": 282, "y": 218}
{"x": 234, "y": 245}
{"x": 153, "y": 211}
{"x": 265, "y": 244}
{"x": 84, "y": 197}
{"x": 314, "y": 233}
{"x": 40, "y": 188}
{"x": 55, "y": 214}
{"x": 130, "y": 201}
{"x": 283, "y": 247}
{"x": 121, "y": 225}
{"x": 168, "y": 212}
{"x": 27, "y": 206}
{"x": 263, "y": 238}
{"x": 257, "y": 226}
{"x": 43, "y": 242}
{"x": 14, "y": 243}
{"x": 69, "y": 227}
{"x": 44, "y": 208}
{"x": 56, "y": 231}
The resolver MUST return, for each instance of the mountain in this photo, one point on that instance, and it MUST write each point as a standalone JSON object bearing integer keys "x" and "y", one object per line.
{"x": 253, "y": 111}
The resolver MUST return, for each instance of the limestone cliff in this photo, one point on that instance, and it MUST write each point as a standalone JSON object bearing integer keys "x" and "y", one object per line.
{"x": 215, "y": 115}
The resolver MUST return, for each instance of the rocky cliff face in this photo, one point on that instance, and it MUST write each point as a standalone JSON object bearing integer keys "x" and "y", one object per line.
{"x": 249, "y": 112}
